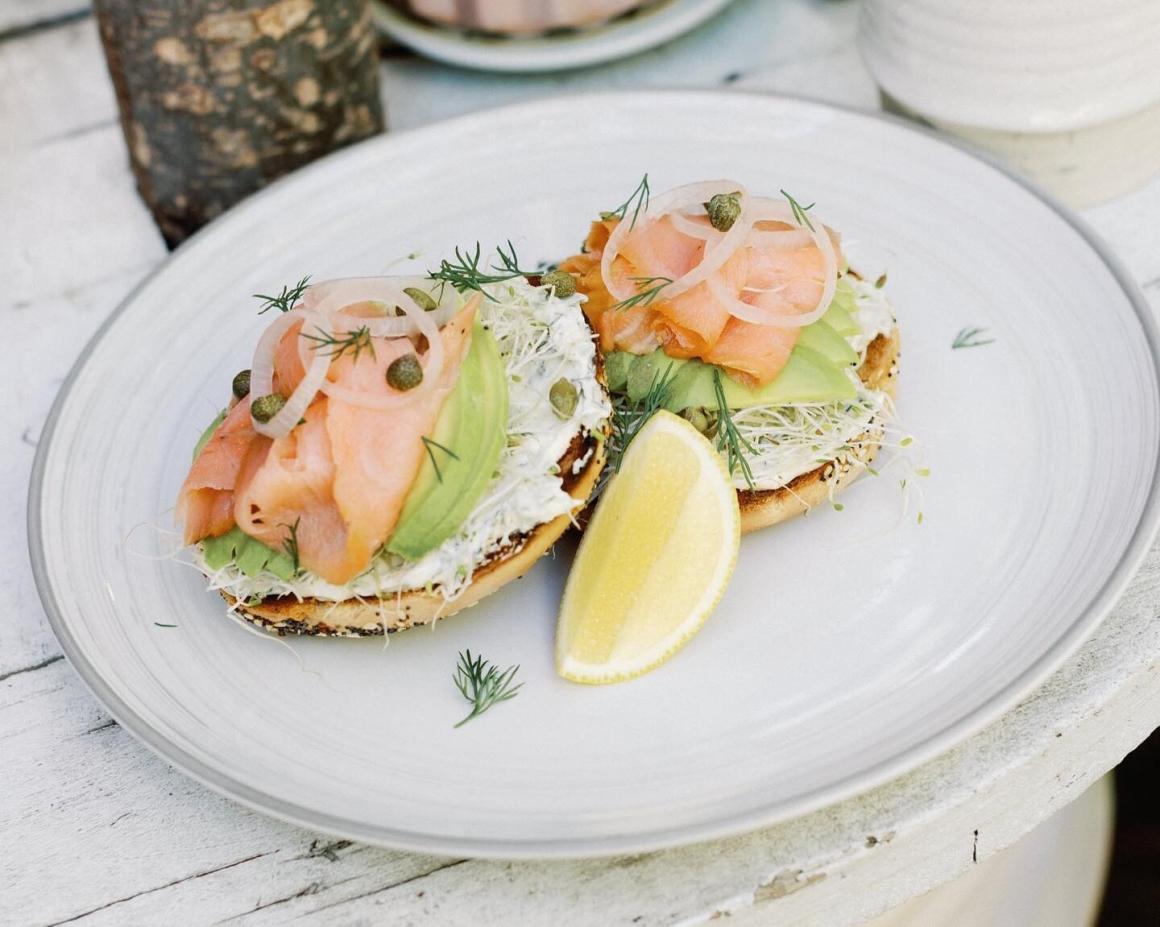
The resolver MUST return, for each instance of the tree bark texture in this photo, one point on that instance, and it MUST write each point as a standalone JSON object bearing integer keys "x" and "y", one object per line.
{"x": 218, "y": 97}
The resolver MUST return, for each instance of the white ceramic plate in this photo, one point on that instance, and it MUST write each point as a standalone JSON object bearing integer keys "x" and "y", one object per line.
{"x": 556, "y": 51}
{"x": 851, "y": 646}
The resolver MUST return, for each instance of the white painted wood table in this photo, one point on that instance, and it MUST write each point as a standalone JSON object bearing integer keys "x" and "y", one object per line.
{"x": 94, "y": 829}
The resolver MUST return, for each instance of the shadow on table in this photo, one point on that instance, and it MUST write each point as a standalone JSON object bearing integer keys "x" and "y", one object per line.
{"x": 1132, "y": 898}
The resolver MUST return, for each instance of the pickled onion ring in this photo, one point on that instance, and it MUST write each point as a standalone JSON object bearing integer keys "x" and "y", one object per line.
{"x": 765, "y": 209}
{"x": 262, "y": 373}
{"x": 716, "y": 254}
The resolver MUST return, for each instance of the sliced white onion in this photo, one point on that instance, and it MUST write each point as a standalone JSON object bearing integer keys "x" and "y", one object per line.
{"x": 765, "y": 209}
{"x": 335, "y": 296}
{"x": 321, "y": 314}
{"x": 431, "y": 361}
{"x": 351, "y": 291}
{"x": 716, "y": 253}
{"x": 299, "y": 400}
{"x": 262, "y": 366}
{"x": 688, "y": 225}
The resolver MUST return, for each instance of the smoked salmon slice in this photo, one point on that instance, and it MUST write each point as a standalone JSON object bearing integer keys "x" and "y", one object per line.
{"x": 290, "y": 495}
{"x": 336, "y": 483}
{"x": 205, "y": 504}
{"x": 692, "y": 323}
{"x": 377, "y": 455}
{"x": 697, "y": 323}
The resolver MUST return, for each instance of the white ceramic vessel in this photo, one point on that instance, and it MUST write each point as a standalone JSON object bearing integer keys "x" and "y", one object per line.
{"x": 850, "y": 647}
{"x": 1067, "y": 90}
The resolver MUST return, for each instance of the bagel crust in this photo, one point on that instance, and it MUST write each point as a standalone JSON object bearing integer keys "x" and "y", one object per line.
{"x": 761, "y": 508}
{"x": 367, "y": 617}
{"x": 364, "y": 617}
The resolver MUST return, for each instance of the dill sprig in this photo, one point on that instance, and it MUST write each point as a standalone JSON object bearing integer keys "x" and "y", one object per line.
{"x": 627, "y": 423}
{"x": 354, "y": 342}
{"x": 290, "y": 545}
{"x": 637, "y": 201}
{"x": 286, "y": 300}
{"x": 483, "y": 684}
{"x": 649, "y": 288}
{"x": 799, "y": 211}
{"x": 465, "y": 273}
{"x": 430, "y": 443}
{"x": 729, "y": 439}
{"x": 969, "y": 338}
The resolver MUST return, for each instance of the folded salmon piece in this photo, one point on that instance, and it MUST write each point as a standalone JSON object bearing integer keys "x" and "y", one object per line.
{"x": 377, "y": 454}
{"x": 336, "y": 482}
{"x": 691, "y": 324}
{"x": 291, "y": 491}
{"x": 628, "y": 329}
{"x": 753, "y": 354}
{"x": 205, "y": 505}
{"x": 697, "y": 323}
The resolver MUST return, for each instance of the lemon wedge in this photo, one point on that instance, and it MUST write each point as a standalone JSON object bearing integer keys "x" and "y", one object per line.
{"x": 654, "y": 560}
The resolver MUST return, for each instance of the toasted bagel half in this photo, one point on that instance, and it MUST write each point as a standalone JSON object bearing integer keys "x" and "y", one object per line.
{"x": 363, "y": 617}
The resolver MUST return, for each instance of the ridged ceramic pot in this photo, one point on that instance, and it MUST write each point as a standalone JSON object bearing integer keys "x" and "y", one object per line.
{"x": 1067, "y": 90}
{"x": 518, "y": 17}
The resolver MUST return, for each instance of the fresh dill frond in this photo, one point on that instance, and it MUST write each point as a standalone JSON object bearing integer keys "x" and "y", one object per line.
{"x": 290, "y": 545}
{"x": 354, "y": 342}
{"x": 430, "y": 443}
{"x": 649, "y": 288}
{"x": 637, "y": 201}
{"x": 465, "y": 273}
{"x": 969, "y": 338}
{"x": 627, "y": 423}
{"x": 799, "y": 211}
{"x": 483, "y": 684}
{"x": 729, "y": 439}
{"x": 286, "y": 300}
{"x": 510, "y": 261}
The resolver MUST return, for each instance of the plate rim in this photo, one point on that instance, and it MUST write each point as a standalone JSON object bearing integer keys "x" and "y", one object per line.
{"x": 537, "y": 55}
{"x": 876, "y": 776}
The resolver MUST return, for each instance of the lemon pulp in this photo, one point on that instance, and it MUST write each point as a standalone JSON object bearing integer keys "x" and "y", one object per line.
{"x": 654, "y": 560}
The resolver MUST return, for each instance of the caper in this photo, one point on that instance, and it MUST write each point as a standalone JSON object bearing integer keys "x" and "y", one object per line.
{"x": 698, "y": 418}
{"x": 265, "y": 408}
{"x": 422, "y": 298}
{"x": 723, "y": 209}
{"x": 561, "y": 282}
{"x": 563, "y": 397}
{"x": 405, "y": 373}
{"x": 241, "y": 384}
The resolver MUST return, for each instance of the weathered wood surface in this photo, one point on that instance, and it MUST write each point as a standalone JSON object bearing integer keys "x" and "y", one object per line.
{"x": 96, "y": 830}
{"x": 219, "y": 97}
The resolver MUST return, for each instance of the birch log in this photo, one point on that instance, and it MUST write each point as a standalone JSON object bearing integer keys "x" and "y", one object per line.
{"x": 218, "y": 97}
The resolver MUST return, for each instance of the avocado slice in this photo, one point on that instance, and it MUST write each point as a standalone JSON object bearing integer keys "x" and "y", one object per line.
{"x": 616, "y": 367}
{"x": 840, "y": 314}
{"x": 827, "y": 342}
{"x": 462, "y": 452}
{"x": 251, "y": 556}
{"x": 808, "y": 376}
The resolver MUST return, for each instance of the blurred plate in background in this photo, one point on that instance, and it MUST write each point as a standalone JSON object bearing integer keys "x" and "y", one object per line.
{"x": 555, "y": 51}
